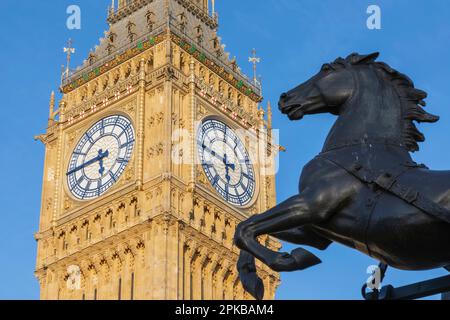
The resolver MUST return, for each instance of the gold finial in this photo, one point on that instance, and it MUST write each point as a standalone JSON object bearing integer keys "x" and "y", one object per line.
{"x": 213, "y": 11}
{"x": 254, "y": 60}
{"x": 69, "y": 50}
{"x": 261, "y": 114}
{"x": 112, "y": 9}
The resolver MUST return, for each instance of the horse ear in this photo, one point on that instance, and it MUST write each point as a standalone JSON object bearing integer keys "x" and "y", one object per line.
{"x": 356, "y": 58}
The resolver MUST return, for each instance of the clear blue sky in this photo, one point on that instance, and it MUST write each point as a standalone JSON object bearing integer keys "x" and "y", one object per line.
{"x": 294, "y": 37}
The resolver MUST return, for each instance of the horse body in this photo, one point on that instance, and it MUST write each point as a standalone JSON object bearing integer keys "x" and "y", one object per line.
{"x": 388, "y": 228}
{"x": 405, "y": 237}
{"x": 363, "y": 190}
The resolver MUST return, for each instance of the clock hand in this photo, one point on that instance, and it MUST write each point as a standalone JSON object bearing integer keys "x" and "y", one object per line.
{"x": 223, "y": 159}
{"x": 102, "y": 169}
{"x": 100, "y": 156}
{"x": 100, "y": 162}
{"x": 225, "y": 162}
{"x": 231, "y": 165}
{"x": 213, "y": 153}
{"x": 227, "y": 175}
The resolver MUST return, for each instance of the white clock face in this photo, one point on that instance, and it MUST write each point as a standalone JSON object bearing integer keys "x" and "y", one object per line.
{"x": 226, "y": 162}
{"x": 100, "y": 157}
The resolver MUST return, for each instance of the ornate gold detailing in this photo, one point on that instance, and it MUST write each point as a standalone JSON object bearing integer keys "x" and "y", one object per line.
{"x": 68, "y": 203}
{"x": 48, "y": 203}
{"x": 155, "y": 120}
{"x": 129, "y": 173}
{"x": 201, "y": 112}
{"x": 130, "y": 107}
{"x": 155, "y": 151}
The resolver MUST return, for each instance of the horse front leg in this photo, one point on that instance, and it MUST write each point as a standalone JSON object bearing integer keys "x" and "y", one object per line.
{"x": 295, "y": 212}
{"x": 247, "y": 266}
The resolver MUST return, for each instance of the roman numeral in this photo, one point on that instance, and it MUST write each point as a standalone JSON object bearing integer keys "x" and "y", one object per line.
{"x": 112, "y": 176}
{"x": 248, "y": 177}
{"x": 90, "y": 138}
{"x": 126, "y": 144}
{"x": 124, "y": 130}
{"x": 122, "y": 160}
{"x": 208, "y": 165}
{"x": 102, "y": 130}
{"x": 215, "y": 180}
{"x": 227, "y": 192}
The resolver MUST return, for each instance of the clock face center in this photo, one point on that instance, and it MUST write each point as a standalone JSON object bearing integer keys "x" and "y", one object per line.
{"x": 105, "y": 144}
{"x": 229, "y": 168}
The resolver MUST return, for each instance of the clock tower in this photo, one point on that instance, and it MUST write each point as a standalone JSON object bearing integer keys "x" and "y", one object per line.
{"x": 156, "y": 151}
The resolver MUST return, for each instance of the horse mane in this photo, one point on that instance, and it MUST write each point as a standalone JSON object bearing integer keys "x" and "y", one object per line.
{"x": 413, "y": 100}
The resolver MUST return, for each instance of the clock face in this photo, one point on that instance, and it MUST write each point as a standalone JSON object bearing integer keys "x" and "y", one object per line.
{"x": 100, "y": 157}
{"x": 226, "y": 162}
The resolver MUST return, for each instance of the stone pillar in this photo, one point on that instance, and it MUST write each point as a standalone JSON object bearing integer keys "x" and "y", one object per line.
{"x": 172, "y": 263}
{"x": 209, "y": 266}
{"x": 196, "y": 271}
{"x": 141, "y": 125}
{"x": 189, "y": 251}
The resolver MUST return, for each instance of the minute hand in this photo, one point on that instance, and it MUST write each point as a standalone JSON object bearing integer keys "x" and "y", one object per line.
{"x": 213, "y": 153}
{"x": 88, "y": 163}
{"x": 222, "y": 159}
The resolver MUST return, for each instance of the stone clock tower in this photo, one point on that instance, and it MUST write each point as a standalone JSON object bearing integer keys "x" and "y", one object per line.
{"x": 156, "y": 151}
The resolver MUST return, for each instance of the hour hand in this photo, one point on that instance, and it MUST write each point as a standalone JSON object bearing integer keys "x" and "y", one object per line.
{"x": 228, "y": 165}
{"x": 100, "y": 157}
{"x": 102, "y": 168}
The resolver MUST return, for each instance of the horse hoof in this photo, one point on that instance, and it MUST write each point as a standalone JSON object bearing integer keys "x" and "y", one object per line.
{"x": 253, "y": 285}
{"x": 248, "y": 276}
{"x": 299, "y": 259}
{"x": 305, "y": 259}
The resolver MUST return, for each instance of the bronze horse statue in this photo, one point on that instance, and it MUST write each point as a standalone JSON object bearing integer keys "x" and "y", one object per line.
{"x": 363, "y": 190}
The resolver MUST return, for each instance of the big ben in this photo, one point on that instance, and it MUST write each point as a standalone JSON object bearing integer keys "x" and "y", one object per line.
{"x": 151, "y": 163}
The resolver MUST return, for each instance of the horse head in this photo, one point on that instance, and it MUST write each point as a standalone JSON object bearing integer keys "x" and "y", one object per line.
{"x": 325, "y": 92}
{"x": 366, "y": 95}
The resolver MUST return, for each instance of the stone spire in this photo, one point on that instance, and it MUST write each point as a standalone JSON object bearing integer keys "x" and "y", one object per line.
{"x": 51, "y": 115}
{"x": 269, "y": 116}
{"x": 135, "y": 23}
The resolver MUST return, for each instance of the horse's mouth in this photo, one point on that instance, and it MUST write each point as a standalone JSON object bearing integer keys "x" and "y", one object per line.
{"x": 298, "y": 108}
{"x": 294, "y": 111}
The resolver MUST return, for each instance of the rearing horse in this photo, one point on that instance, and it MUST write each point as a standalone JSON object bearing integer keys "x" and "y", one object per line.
{"x": 363, "y": 190}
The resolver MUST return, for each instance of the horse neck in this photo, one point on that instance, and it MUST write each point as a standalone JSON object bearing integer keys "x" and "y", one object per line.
{"x": 372, "y": 115}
